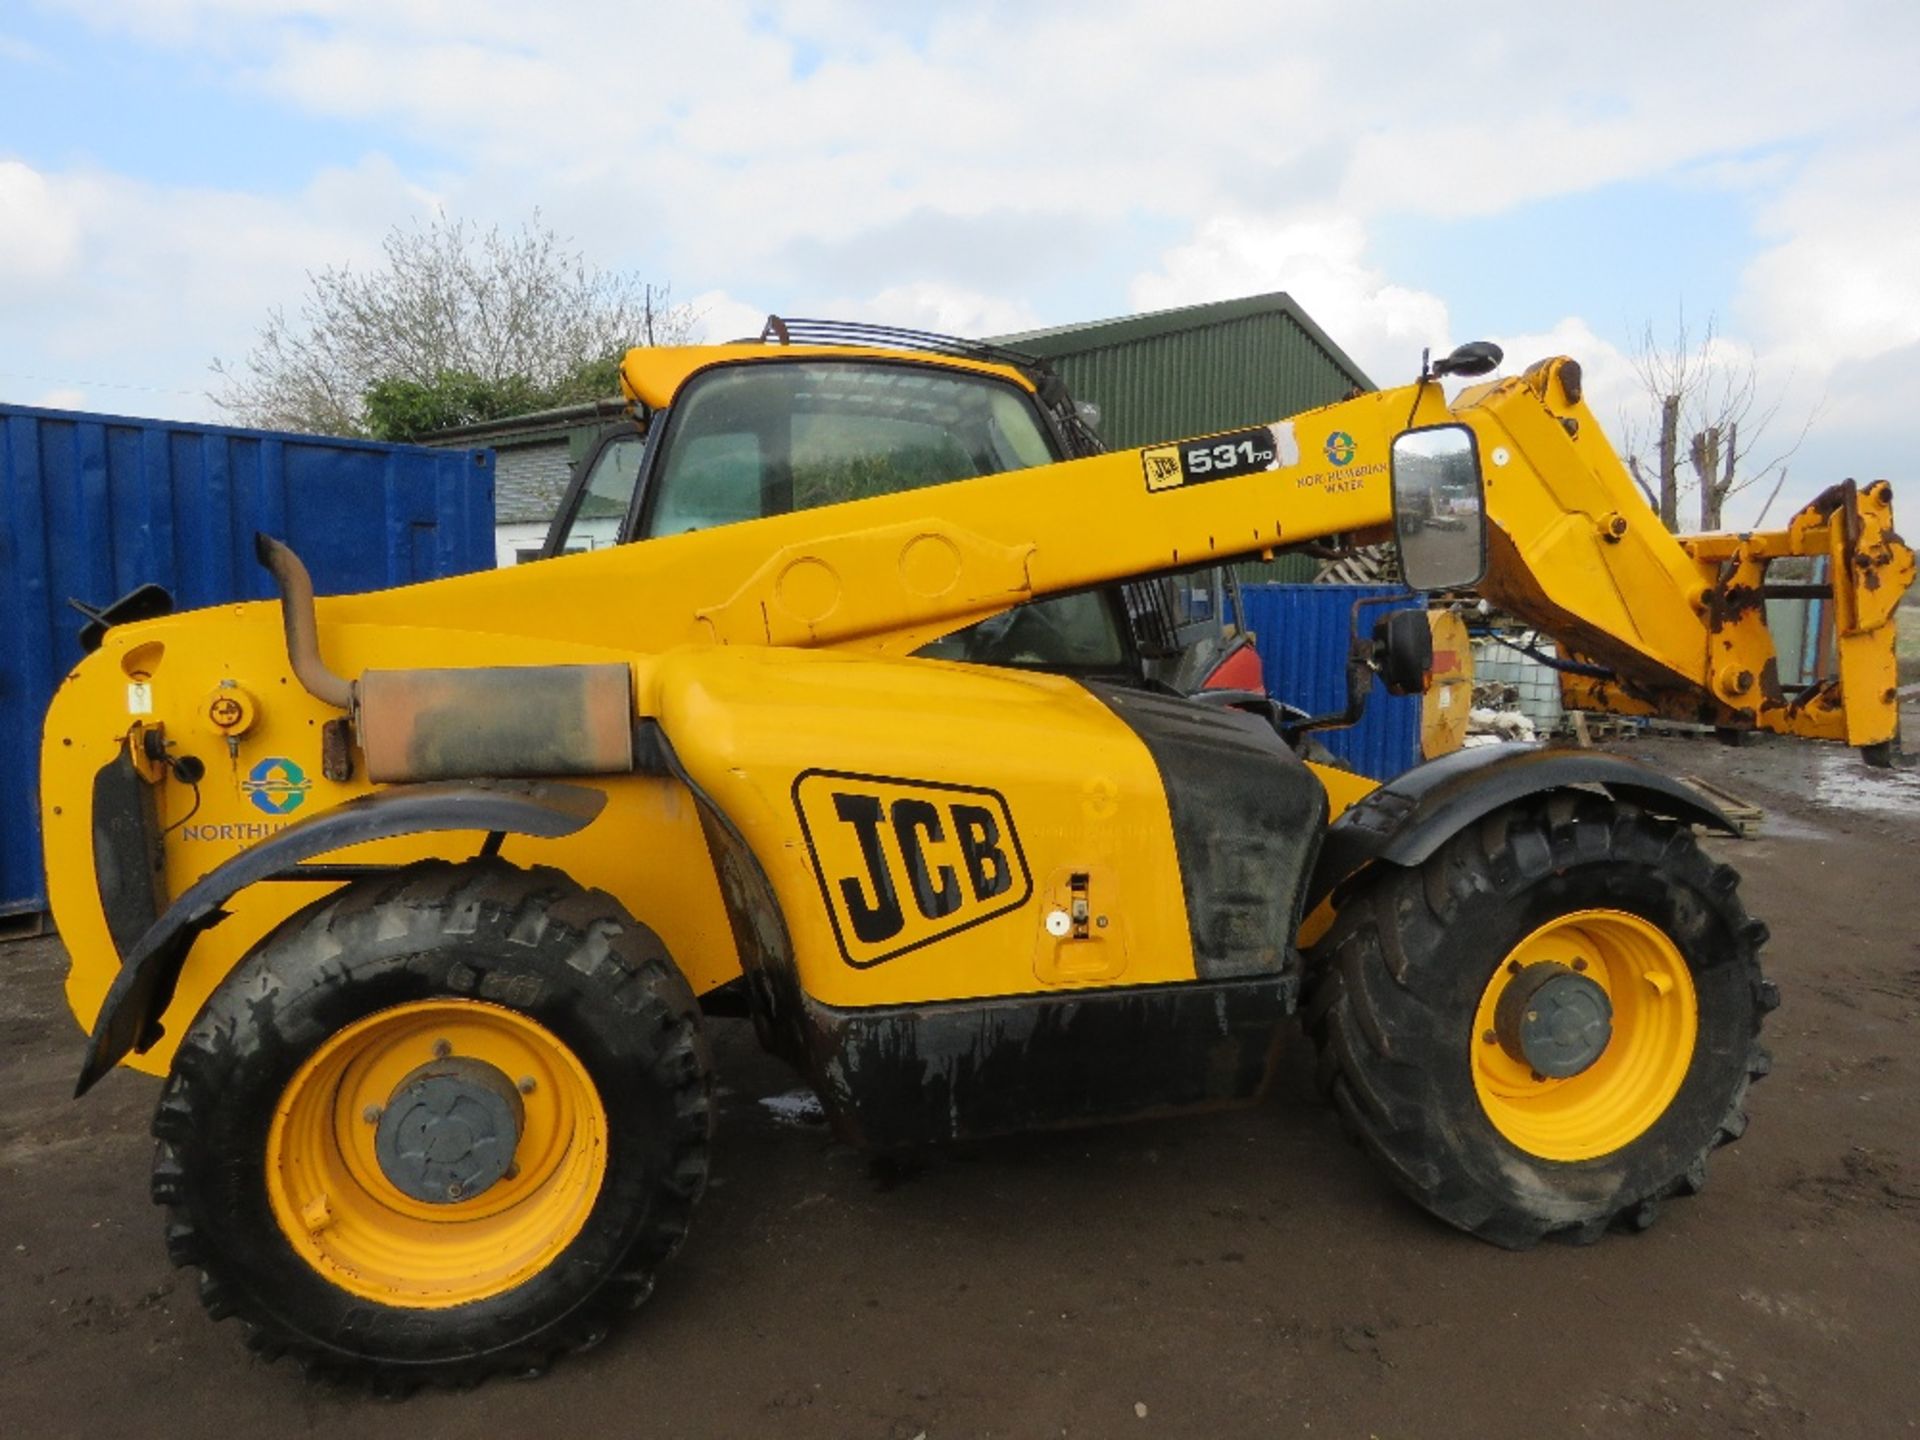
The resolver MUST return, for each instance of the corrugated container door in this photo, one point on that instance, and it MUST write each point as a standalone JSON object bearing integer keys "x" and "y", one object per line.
{"x": 1301, "y": 632}
{"x": 93, "y": 506}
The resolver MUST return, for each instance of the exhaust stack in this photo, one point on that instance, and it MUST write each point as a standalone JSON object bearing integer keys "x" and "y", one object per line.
{"x": 303, "y": 634}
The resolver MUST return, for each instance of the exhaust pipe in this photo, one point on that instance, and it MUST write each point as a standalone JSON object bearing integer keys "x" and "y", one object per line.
{"x": 478, "y": 723}
{"x": 303, "y": 634}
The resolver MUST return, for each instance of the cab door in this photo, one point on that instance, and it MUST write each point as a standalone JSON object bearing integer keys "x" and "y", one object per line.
{"x": 597, "y": 509}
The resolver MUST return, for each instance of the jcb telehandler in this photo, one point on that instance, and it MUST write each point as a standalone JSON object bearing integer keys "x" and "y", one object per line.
{"x": 416, "y": 898}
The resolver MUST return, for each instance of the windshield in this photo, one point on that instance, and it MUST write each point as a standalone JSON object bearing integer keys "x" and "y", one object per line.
{"x": 750, "y": 441}
{"x": 757, "y": 440}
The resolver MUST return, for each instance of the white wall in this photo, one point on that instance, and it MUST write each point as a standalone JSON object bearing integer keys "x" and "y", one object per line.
{"x": 510, "y": 540}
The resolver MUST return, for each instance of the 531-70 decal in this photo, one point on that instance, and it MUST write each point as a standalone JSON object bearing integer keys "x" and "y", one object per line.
{"x": 903, "y": 863}
{"x": 1219, "y": 457}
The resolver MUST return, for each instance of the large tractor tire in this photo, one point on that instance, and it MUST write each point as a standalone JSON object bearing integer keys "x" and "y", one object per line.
{"x": 439, "y": 1125}
{"x": 1547, "y": 1027}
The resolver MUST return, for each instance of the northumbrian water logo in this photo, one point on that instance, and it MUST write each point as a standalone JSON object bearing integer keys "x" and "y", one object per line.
{"x": 276, "y": 785}
{"x": 1340, "y": 448}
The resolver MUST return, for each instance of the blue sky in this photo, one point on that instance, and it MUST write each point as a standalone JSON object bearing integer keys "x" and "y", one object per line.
{"x": 170, "y": 169}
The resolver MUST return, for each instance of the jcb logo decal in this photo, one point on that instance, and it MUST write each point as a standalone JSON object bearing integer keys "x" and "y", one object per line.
{"x": 903, "y": 863}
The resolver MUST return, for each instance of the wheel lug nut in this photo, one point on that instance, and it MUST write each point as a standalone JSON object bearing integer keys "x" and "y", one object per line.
{"x": 456, "y": 1190}
{"x": 1579, "y": 964}
{"x": 526, "y": 1085}
{"x": 371, "y": 1114}
{"x": 1489, "y": 1037}
{"x": 442, "y": 1049}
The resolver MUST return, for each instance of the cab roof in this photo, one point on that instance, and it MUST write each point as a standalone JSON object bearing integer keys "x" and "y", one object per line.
{"x": 653, "y": 375}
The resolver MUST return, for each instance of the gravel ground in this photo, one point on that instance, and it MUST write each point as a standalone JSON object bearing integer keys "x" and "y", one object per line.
{"x": 1243, "y": 1274}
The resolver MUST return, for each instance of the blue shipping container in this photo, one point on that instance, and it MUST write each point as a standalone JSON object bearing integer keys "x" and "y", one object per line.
{"x": 92, "y": 506}
{"x": 1301, "y": 632}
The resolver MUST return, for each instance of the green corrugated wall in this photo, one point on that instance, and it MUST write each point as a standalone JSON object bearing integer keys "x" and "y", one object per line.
{"x": 1199, "y": 369}
{"x": 1214, "y": 377}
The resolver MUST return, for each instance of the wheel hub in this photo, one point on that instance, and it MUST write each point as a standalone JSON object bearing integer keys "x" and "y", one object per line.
{"x": 1554, "y": 1020}
{"x": 449, "y": 1130}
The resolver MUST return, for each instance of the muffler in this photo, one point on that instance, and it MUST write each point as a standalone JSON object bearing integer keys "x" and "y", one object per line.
{"x": 474, "y": 723}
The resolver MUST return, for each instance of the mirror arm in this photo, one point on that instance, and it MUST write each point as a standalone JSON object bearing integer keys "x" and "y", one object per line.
{"x": 1359, "y": 687}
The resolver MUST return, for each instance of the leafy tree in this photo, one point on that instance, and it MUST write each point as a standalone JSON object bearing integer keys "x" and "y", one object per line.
{"x": 458, "y": 324}
{"x": 407, "y": 409}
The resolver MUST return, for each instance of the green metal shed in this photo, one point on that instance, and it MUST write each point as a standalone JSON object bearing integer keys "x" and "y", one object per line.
{"x": 1198, "y": 369}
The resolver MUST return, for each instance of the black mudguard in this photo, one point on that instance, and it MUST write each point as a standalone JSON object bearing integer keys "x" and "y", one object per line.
{"x": 129, "y": 1019}
{"x": 1413, "y": 815}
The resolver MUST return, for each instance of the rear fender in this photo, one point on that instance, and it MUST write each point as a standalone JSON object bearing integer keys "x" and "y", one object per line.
{"x": 1410, "y": 817}
{"x": 129, "y": 1020}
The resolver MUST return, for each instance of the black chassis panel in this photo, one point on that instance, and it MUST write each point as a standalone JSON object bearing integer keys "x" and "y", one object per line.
{"x": 1248, "y": 817}
{"x": 897, "y": 1077}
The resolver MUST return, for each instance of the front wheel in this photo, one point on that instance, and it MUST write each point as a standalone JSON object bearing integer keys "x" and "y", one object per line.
{"x": 438, "y": 1125}
{"x": 1547, "y": 1026}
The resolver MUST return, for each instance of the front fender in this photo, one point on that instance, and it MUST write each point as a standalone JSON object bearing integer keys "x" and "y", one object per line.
{"x": 129, "y": 1019}
{"x": 1407, "y": 819}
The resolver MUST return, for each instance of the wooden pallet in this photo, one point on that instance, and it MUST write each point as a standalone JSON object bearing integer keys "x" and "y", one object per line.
{"x": 1587, "y": 726}
{"x": 1746, "y": 816}
{"x": 1658, "y": 725}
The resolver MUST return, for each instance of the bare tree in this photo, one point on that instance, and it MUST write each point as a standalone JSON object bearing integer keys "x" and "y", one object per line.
{"x": 522, "y": 311}
{"x": 1709, "y": 393}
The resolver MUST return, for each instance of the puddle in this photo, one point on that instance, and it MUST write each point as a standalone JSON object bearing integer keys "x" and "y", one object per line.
{"x": 796, "y": 1107}
{"x": 1840, "y": 780}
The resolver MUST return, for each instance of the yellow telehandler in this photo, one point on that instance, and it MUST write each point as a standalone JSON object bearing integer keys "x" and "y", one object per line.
{"x": 830, "y": 707}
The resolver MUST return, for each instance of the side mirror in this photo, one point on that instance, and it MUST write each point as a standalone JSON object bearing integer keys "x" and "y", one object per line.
{"x": 1476, "y": 357}
{"x": 1439, "y": 507}
{"x": 1403, "y": 647}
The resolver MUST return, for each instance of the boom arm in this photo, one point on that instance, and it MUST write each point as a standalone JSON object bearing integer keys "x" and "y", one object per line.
{"x": 1680, "y": 621}
{"x": 1677, "y": 624}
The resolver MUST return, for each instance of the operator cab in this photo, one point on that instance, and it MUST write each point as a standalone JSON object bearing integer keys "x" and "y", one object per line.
{"x": 771, "y": 430}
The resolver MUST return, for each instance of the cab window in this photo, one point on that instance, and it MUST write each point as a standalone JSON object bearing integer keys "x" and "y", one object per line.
{"x": 757, "y": 440}
{"x": 602, "y": 506}
{"x": 750, "y": 441}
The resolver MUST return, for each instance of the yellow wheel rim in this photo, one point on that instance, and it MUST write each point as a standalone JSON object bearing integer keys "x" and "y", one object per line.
{"x": 1620, "y": 1095}
{"x": 346, "y": 1218}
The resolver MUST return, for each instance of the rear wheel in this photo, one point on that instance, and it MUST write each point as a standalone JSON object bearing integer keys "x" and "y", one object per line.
{"x": 1546, "y": 1027}
{"x": 437, "y": 1126}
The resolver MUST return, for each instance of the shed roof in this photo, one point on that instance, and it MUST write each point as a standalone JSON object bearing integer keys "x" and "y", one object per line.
{"x": 534, "y": 428}
{"x": 1056, "y": 341}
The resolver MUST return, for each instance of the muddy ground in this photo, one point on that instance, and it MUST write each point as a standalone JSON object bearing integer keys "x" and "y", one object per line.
{"x": 1240, "y": 1275}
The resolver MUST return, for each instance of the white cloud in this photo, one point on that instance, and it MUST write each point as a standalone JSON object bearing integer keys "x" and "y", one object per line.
{"x": 913, "y": 164}
{"x": 1607, "y": 376}
{"x": 39, "y": 233}
{"x": 135, "y": 288}
{"x": 719, "y": 317}
{"x": 1843, "y": 281}
{"x": 1322, "y": 263}
{"x": 944, "y": 309}
{"x": 25, "y": 52}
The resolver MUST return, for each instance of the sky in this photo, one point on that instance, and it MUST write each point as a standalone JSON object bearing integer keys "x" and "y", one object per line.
{"x": 1558, "y": 179}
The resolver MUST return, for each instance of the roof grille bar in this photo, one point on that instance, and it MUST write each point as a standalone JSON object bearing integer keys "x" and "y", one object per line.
{"x": 786, "y": 330}
{"x": 1075, "y": 431}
